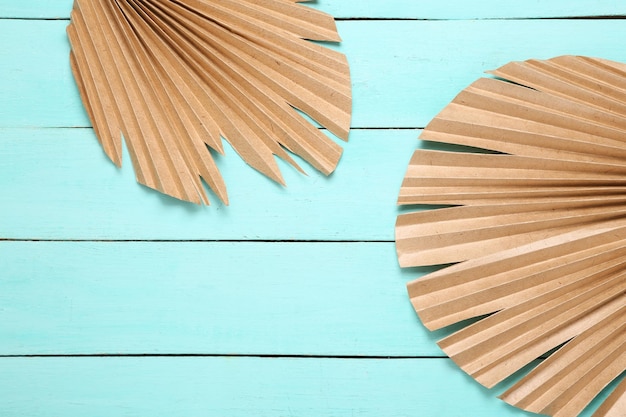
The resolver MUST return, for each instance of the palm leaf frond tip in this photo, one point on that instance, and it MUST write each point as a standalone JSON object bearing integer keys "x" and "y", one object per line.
{"x": 174, "y": 77}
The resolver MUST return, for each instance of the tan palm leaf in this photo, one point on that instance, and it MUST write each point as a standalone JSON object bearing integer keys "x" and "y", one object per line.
{"x": 176, "y": 76}
{"x": 536, "y": 231}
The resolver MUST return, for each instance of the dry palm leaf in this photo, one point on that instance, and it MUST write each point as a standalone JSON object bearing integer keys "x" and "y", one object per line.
{"x": 536, "y": 231}
{"x": 175, "y": 76}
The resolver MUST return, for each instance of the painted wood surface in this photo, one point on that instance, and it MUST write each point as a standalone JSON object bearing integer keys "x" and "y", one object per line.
{"x": 86, "y": 197}
{"x": 422, "y": 9}
{"x": 244, "y": 298}
{"x": 288, "y": 302}
{"x": 235, "y": 386}
{"x": 409, "y": 68}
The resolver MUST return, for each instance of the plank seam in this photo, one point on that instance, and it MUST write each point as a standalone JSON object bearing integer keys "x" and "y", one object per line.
{"x": 410, "y": 19}
{"x": 190, "y": 241}
{"x": 221, "y": 355}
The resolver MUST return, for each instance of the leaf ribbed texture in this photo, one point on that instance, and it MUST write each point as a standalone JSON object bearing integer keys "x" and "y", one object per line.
{"x": 536, "y": 231}
{"x": 175, "y": 77}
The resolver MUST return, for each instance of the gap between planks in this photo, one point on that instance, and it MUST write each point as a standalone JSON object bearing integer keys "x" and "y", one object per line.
{"x": 344, "y": 19}
{"x": 221, "y": 355}
{"x": 190, "y": 241}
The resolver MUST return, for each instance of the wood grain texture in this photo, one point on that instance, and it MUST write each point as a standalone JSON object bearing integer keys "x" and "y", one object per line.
{"x": 86, "y": 197}
{"x": 431, "y": 9}
{"x": 233, "y": 387}
{"x": 207, "y": 298}
{"x": 411, "y": 69}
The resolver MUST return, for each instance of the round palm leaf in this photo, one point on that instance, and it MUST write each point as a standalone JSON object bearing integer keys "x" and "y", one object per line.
{"x": 535, "y": 230}
{"x": 174, "y": 77}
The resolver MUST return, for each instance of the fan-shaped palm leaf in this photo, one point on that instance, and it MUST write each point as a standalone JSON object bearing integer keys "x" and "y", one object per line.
{"x": 537, "y": 231}
{"x": 175, "y": 76}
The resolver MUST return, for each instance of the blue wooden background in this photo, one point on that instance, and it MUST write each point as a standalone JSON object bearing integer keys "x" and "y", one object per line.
{"x": 118, "y": 301}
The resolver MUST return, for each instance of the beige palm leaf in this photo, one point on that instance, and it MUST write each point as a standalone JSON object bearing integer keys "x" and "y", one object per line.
{"x": 174, "y": 77}
{"x": 536, "y": 231}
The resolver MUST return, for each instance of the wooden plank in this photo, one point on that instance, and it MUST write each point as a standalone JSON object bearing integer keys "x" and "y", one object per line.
{"x": 233, "y": 387}
{"x": 58, "y": 184}
{"x": 208, "y": 298}
{"x": 36, "y": 83}
{"x": 403, "y": 72}
{"x": 446, "y": 9}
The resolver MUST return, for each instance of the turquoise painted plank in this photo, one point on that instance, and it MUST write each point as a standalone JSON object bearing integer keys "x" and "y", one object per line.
{"x": 36, "y": 83}
{"x": 442, "y": 9}
{"x": 403, "y": 72}
{"x": 58, "y": 184}
{"x": 234, "y": 387}
{"x": 225, "y": 298}
{"x": 460, "y": 9}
